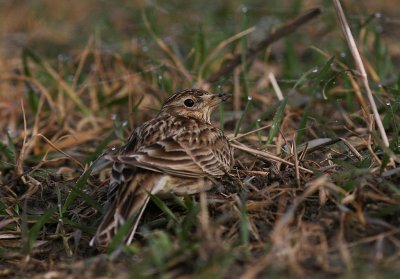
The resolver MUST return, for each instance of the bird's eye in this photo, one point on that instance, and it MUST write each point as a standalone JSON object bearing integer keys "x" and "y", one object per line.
{"x": 189, "y": 103}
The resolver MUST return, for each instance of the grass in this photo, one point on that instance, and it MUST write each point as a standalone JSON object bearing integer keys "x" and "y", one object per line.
{"x": 314, "y": 192}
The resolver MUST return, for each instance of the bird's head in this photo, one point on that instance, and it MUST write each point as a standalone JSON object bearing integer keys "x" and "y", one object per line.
{"x": 195, "y": 103}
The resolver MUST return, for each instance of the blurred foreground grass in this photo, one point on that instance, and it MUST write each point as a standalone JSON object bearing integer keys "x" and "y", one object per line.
{"x": 76, "y": 77}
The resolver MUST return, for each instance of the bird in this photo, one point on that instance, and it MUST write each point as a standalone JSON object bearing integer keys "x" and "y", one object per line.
{"x": 179, "y": 151}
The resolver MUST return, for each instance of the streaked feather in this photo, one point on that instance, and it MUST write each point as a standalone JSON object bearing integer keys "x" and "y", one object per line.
{"x": 178, "y": 151}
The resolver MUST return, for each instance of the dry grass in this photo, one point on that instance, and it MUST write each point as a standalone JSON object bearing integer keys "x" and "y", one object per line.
{"x": 314, "y": 192}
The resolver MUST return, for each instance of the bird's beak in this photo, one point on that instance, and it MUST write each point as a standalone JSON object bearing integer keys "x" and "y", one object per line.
{"x": 216, "y": 99}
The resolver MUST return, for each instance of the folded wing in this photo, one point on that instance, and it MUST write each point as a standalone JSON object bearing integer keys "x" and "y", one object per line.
{"x": 181, "y": 158}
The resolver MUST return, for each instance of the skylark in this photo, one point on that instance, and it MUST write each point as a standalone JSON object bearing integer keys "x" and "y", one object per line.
{"x": 178, "y": 151}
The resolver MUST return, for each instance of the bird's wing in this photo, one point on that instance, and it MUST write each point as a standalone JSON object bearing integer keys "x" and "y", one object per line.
{"x": 213, "y": 158}
{"x": 166, "y": 156}
{"x": 178, "y": 158}
{"x": 127, "y": 206}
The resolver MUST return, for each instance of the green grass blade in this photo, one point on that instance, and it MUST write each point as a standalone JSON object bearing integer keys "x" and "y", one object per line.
{"x": 161, "y": 248}
{"x": 121, "y": 234}
{"x": 89, "y": 199}
{"x": 291, "y": 63}
{"x": 180, "y": 202}
{"x": 161, "y": 205}
{"x": 303, "y": 78}
{"x": 303, "y": 124}
{"x": 78, "y": 186}
{"x": 11, "y": 146}
{"x": 276, "y": 122}
{"x": 33, "y": 98}
{"x": 189, "y": 220}
{"x": 244, "y": 226}
{"x": 54, "y": 75}
{"x": 35, "y": 230}
{"x": 323, "y": 76}
{"x": 100, "y": 148}
{"x": 239, "y": 123}
{"x": 85, "y": 229}
{"x": 7, "y": 152}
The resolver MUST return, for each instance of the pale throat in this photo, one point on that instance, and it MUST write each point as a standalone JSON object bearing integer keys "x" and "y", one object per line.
{"x": 207, "y": 115}
{"x": 204, "y": 115}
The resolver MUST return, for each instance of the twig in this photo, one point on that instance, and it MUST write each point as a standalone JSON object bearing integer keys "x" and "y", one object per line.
{"x": 59, "y": 150}
{"x": 290, "y": 27}
{"x": 352, "y": 149}
{"x": 19, "y": 168}
{"x": 266, "y": 155}
{"x": 250, "y": 132}
{"x": 360, "y": 67}
{"x": 275, "y": 85}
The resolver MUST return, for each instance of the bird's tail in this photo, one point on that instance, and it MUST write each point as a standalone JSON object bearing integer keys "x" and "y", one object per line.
{"x": 127, "y": 207}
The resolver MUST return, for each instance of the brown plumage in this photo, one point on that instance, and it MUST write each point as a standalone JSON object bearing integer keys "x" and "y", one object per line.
{"x": 178, "y": 151}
